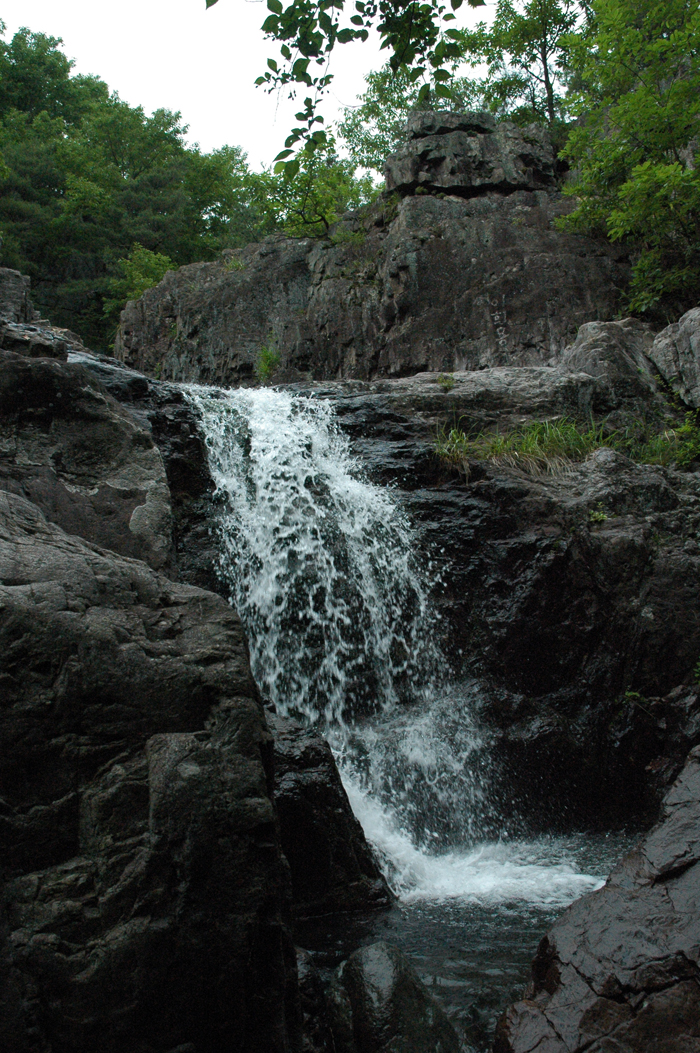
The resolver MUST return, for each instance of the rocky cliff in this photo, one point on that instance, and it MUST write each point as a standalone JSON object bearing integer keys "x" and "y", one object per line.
{"x": 459, "y": 266}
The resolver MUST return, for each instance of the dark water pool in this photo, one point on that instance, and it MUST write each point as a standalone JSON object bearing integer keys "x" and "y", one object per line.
{"x": 474, "y": 956}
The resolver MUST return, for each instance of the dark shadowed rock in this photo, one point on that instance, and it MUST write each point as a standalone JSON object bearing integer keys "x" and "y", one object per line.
{"x": 331, "y": 863}
{"x": 676, "y": 354}
{"x": 144, "y": 890}
{"x": 469, "y": 154}
{"x": 620, "y": 971}
{"x": 379, "y": 1005}
{"x": 70, "y": 448}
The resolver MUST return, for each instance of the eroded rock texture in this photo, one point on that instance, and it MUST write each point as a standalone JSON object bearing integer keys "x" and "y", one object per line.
{"x": 69, "y": 447}
{"x": 144, "y": 886}
{"x": 621, "y": 969}
{"x": 478, "y": 276}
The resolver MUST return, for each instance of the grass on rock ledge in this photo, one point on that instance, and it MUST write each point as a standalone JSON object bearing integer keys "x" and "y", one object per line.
{"x": 553, "y": 446}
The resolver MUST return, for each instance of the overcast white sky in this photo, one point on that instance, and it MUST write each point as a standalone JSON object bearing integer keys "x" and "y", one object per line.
{"x": 176, "y": 54}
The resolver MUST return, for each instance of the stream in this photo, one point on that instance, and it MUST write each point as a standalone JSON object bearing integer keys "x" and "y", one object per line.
{"x": 325, "y": 571}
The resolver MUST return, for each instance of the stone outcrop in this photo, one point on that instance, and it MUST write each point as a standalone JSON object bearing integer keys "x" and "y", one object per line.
{"x": 462, "y": 280}
{"x": 379, "y": 1005}
{"x": 74, "y": 451}
{"x": 621, "y": 969}
{"x": 332, "y": 867}
{"x": 470, "y": 154}
{"x": 676, "y": 353}
{"x": 145, "y": 891}
{"x": 146, "y": 899}
{"x": 15, "y": 305}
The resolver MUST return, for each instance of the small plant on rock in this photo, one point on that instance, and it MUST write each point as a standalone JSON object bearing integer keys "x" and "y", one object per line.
{"x": 267, "y": 361}
{"x": 446, "y": 381}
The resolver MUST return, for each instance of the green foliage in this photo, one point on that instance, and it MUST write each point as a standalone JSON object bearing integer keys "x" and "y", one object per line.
{"x": 637, "y": 71}
{"x": 597, "y": 514}
{"x": 324, "y": 188}
{"x": 267, "y": 361}
{"x": 553, "y": 446}
{"x": 525, "y": 50}
{"x": 413, "y": 31}
{"x": 140, "y": 270}
{"x": 375, "y": 127}
{"x": 85, "y": 177}
{"x": 446, "y": 381}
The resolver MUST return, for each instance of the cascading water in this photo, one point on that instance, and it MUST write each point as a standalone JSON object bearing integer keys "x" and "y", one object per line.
{"x": 323, "y": 570}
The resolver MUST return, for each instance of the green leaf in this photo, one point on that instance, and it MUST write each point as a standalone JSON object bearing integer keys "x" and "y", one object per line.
{"x": 291, "y": 170}
{"x": 274, "y": 5}
{"x": 210, "y": 3}
{"x": 272, "y": 64}
{"x": 271, "y": 25}
{"x": 442, "y": 91}
{"x": 345, "y": 36}
{"x": 283, "y": 154}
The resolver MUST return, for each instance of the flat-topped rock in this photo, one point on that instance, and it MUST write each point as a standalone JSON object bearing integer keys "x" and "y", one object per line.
{"x": 469, "y": 154}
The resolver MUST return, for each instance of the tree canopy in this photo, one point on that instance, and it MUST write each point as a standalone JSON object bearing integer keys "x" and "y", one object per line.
{"x": 96, "y": 196}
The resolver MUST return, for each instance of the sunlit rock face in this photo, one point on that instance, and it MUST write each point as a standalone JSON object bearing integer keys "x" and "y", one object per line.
{"x": 460, "y": 267}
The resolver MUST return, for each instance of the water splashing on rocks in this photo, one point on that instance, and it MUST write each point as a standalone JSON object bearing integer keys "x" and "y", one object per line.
{"x": 323, "y": 569}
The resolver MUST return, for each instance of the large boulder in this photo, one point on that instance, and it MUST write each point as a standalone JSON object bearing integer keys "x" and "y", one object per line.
{"x": 468, "y": 154}
{"x": 621, "y": 969}
{"x": 331, "y": 864}
{"x": 69, "y": 447}
{"x": 379, "y": 1005}
{"x": 144, "y": 889}
{"x": 676, "y": 354}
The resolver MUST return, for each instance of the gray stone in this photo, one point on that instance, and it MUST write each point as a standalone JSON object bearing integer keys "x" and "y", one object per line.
{"x": 676, "y": 354}
{"x": 331, "y": 864}
{"x": 379, "y": 1005}
{"x": 425, "y": 284}
{"x": 470, "y": 154}
{"x": 69, "y": 447}
{"x": 617, "y": 355}
{"x": 15, "y": 305}
{"x": 621, "y": 969}
{"x": 145, "y": 895}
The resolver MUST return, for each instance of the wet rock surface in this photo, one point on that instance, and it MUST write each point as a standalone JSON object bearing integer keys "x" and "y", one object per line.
{"x": 144, "y": 889}
{"x": 377, "y": 1004}
{"x": 332, "y": 867}
{"x": 621, "y": 969}
{"x": 468, "y": 274}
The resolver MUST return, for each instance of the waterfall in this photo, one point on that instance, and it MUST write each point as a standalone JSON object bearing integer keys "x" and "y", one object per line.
{"x": 324, "y": 570}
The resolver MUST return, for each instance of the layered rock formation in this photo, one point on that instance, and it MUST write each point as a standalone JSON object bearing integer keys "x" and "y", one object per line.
{"x": 469, "y": 275}
{"x": 621, "y": 969}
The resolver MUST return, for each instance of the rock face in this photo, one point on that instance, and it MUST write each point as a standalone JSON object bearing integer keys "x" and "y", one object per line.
{"x": 469, "y": 154}
{"x": 676, "y": 353}
{"x": 144, "y": 887}
{"x": 332, "y": 867}
{"x": 15, "y": 305}
{"x": 462, "y": 281}
{"x": 621, "y": 969}
{"x": 378, "y": 1005}
{"x": 70, "y": 448}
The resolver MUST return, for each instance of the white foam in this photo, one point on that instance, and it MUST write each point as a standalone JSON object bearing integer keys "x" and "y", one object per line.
{"x": 536, "y": 873}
